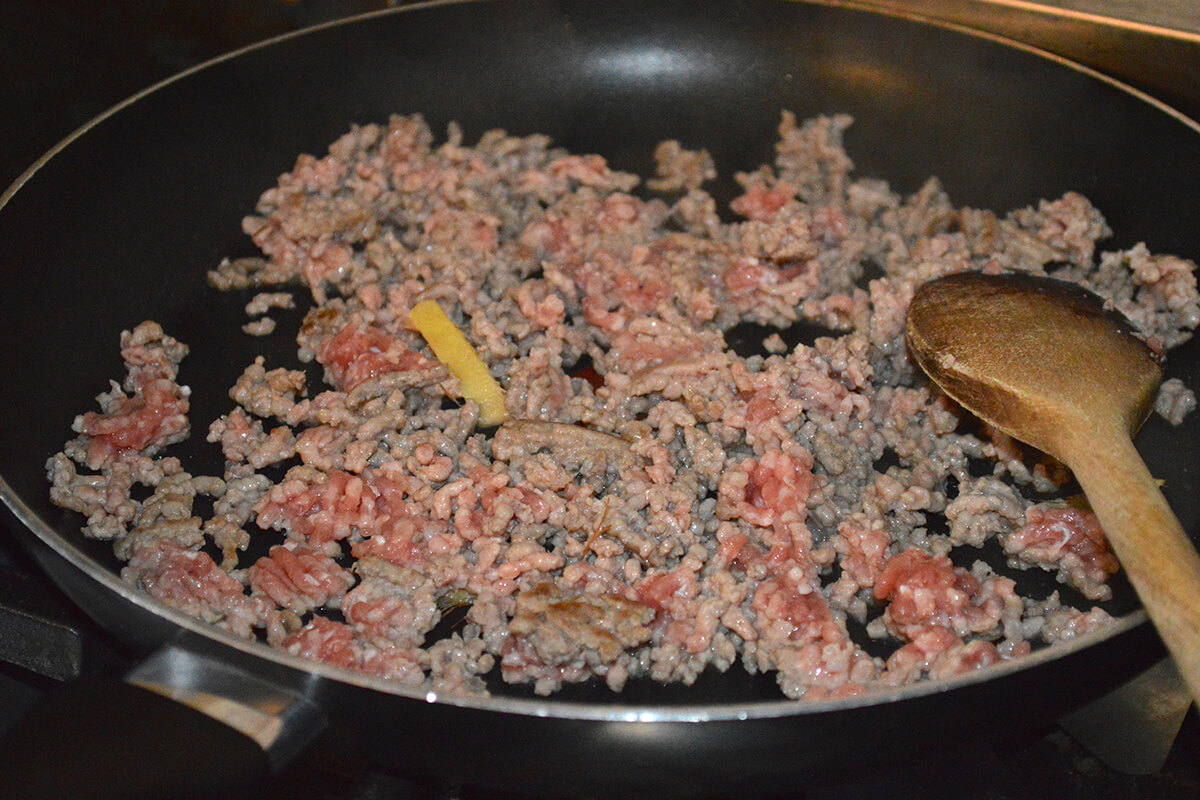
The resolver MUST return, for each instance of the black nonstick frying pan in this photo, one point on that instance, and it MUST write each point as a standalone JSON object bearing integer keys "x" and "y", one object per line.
{"x": 121, "y": 222}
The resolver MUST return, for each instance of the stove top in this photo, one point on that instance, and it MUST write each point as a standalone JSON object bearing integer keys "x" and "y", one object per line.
{"x": 64, "y": 61}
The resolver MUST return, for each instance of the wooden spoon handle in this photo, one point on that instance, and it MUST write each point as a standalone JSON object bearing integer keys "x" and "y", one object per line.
{"x": 1155, "y": 552}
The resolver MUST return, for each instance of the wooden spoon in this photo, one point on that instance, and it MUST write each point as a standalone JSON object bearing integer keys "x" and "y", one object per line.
{"x": 1043, "y": 361}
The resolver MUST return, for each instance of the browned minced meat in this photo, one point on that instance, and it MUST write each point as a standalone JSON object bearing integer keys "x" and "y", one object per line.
{"x": 657, "y": 505}
{"x": 1175, "y": 401}
{"x": 557, "y": 634}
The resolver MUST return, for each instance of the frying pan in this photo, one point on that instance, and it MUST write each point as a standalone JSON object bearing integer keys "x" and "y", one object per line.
{"x": 120, "y": 222}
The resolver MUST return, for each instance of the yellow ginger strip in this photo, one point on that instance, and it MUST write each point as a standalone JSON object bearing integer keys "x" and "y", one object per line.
{"x": 460, "y": 357}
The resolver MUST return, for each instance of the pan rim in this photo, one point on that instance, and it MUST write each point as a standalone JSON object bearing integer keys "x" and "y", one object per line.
{"x": 864, "y": 7}
{"x": 549, "y": 706}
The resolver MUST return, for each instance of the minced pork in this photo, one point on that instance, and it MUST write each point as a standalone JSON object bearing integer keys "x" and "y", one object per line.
{"x": 658, "y": 503}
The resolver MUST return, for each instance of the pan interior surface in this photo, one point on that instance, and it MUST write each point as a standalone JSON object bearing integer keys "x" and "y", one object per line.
{"x": 123, "y": 223}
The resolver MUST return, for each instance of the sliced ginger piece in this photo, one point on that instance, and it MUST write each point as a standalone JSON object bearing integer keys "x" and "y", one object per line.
{"x": 461, "y": 358}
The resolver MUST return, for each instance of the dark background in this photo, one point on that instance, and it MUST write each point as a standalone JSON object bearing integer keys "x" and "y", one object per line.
{"x": 62, "y": 62}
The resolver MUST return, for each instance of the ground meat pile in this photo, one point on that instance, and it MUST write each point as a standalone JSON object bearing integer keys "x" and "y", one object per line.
{"x": 658, "y": 503}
